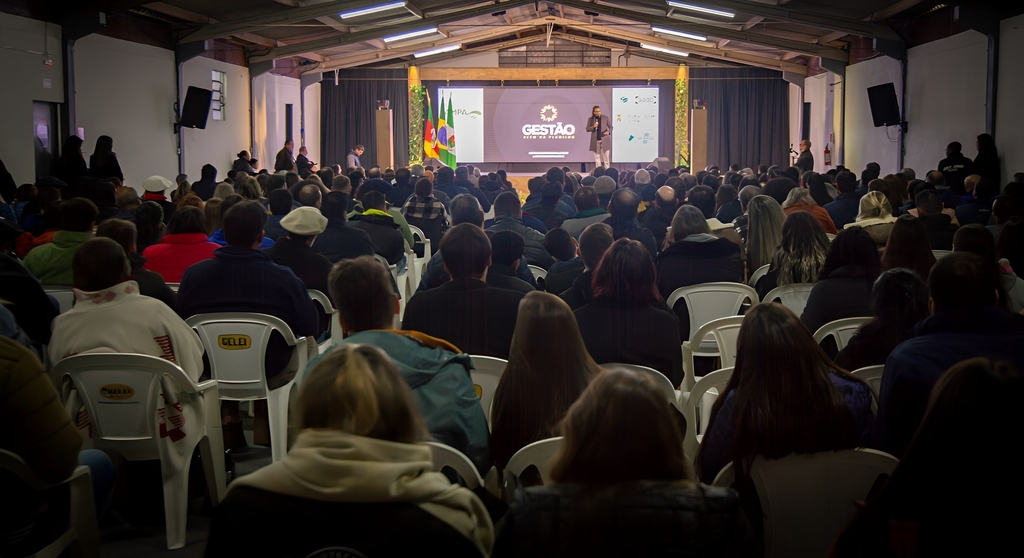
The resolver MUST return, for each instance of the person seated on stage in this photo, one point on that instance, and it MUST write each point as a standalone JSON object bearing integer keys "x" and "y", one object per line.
{"x": 547, "y": 211}
{"x": 425, "y": 211}
{"x": 339, "y": 241}
{"x": 465, "y": 311}
{"x": 357, "y": 476}
{"x": 590, "y": 211}
{"x": 436, "y": 371}
{"x": 508, "y": 216}
{"x": 506, "y": 253}
{"x": 568, "y": 264}
{"x": 112, "y": 315}
{"x": 622, "y": 485}
{"x": 465, "y": 209}
{"x": 150, "y": 282}
{"x": 293, "y": 250}
{"x": 659, "y": 214}
{"x": 594, "y": 242}
{"x": 622, "y": 219}
{"x": 51, "y": 263}
{"x": 302, "y": 162}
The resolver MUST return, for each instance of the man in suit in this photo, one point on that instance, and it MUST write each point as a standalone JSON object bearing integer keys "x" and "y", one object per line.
{"x": 600, "y": 128}
{"x": 285, "y": 161}
{"x": 476, "y": 318}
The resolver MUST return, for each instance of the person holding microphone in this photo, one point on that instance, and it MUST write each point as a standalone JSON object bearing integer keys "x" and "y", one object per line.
{"x": 600, "y": 128}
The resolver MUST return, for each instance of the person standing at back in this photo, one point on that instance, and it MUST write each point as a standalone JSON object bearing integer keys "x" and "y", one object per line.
{"x": 955, "y": 168}
{"x": 103, "y": 161}
{"x": 285, "y": 161}
{"x": 352, "y": 159}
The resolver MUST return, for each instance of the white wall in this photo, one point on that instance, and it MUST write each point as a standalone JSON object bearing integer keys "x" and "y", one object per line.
{"x": 222, "y": 139}
{"x": 270, "y": 94}
{"x": 945, "y": 109}
{"x": 863, "y": 142}
{"x": 22, "y": 43}
{"x": 796, "y": 118}
{"x": 1009, "y": 109}
{"x": 824, "y": 92}
{"x": 311, "y": 121}
{"x": 816, "y": 92}
{"x": 126, "y": 91}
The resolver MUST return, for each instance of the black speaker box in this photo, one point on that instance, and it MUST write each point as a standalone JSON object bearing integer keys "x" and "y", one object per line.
{"x": 885, "y": 109}
{"x": 196, "y": 108}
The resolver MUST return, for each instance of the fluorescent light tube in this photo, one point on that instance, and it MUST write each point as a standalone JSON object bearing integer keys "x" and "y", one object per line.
{"x": 441, "y": 50}
{"x": 682, "y": 34}
{"x": 410, "y": 35}
{"x": 665, "y": 50}
{"x": 372, "y": 9}
{"x": 701, "y": 9}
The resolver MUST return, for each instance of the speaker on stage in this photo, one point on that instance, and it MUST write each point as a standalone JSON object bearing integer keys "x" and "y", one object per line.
{"x": 196, "y": 108}
{"x": 885, "y": 109}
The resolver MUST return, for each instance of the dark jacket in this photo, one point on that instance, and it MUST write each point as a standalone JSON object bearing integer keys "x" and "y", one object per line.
{"x": 308, "y": 266}
{"x": 562, "y": 275}
{"x": 303, "y": 163}
{"x": 693, "y": 261}
{"x": 398, "y": 195}
{"x": 342, "y": 242}
{"x": 644, "y": 518}
{"x": 844, "y": 209}
{"x": 730, "y": 211}
{"x": 151, "y": 283}
{"x": 384, "y": 233}
{"x": 241, "y": 165}
{"x": 955, "y": 170}
{"x": 204, "y": 188}
{"x": 474, "y": 317}
{"x": 550, "y": 216}
{"x": 978, "y": 212}
{"x": 32, "y": 309}
{"x": 581, "y": 292}
{"x": 939, "y": 342}
{"x": 658, "y": 220}
{"x": 845, "y": 293}
{"x": 535, "y": 252}
{"x": 805, "y": 162}
{"x": 645, "y": 336}
{"x": 629, "y": 228}
{"x": 272, "y": 229}
{"x": 504, "y": 277}
{"x": 940, "y": 229}
{"x": 104, "y": 167}
{"x": 435, "y": 276}
{"x": 284, "y": 161}
{"x": 469, "y": 187}
{"x": 70, "y": 172}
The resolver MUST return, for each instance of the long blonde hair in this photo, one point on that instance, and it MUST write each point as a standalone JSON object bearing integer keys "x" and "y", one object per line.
{"x": 874, "y": 205}
{"x": 764, "y": 230}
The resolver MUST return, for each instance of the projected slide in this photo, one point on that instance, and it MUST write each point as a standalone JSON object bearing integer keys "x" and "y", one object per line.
{"x": 548, "y": 124}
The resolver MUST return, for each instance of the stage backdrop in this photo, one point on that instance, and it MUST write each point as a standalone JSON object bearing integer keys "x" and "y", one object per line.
{"x": 347, "y": 113}
{"x": 748, "y": 115}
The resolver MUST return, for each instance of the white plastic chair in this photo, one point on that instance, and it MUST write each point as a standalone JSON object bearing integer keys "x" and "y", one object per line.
{"x": 447, "y": 456}
{"x": 400, "y": 280}
{"x": 792, "y": 296}
{"x": 540, "y": 454}
{"x": 701, "y": 398}
{"x": 486, "y": 374}
{"x": 335, "y": 325}
{"x": 63, "y": 294}
{"x": 873, "y": 376}
{"x": 808, "y": 499}
{"x": 841, "y": 330}
{"x": 758, "y": 274}
{"x": 941, "y": 253}
{"x": 174, "y": 286}
{"x": 124, "y": 396}
{"x": 538, "y": 272}
{"x": 82, "y": 531}
{"x": 664, "y": 384}
{"x": 724, "y": 333}
{"x": 421, "y": 263}
{"x": 236, "y": 345}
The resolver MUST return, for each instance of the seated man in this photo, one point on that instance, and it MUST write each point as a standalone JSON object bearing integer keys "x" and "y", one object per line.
{"x": 968, "y": 321}
{"x": 425, "y": 211}
{"x": 339, "y": 241}
{"x": 594, "y": 242}
{"x": 508, "y": 216}
{"x": 218, "y": 236}
{"x": 568, "y": 265}
{"x": 465, "y": 311}
{"x": 51, "y": 263}
{"x": 547, "y": 211}
{"x": 658, "y": 217}
{"x": 623, "y": 209}
{"x": 150, "y": 283}
{"x": 506, "y": 253}
{"x": 435, "y": 370}
{"x": 938, "y": 224}
{"x": 111, "y": 315}
{"x": 590, "y": 211}
{"x": 32, "y": 309}
{"x": 280, "y": 202}
{"x": 293, "y": 251}
{"x": 380, "y": 225}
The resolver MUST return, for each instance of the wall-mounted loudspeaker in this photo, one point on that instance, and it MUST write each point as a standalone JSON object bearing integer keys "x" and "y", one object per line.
{"x": 196, "y": 108}
{"x": 885, "y": 109}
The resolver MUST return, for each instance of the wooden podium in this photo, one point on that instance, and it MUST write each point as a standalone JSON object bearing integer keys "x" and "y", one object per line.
{"x": 385, "y": 148}
{"x": 698, "y": 138}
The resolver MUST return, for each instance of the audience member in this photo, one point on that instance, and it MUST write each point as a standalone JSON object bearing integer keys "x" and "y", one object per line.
{"x": 214, "y": 222}
{"x": 800, "y": 199}
{"x": 508, "y": 216}
{"x": 658, "y": 216}
{"x": 51, "y": 263}
{"x": 355, "y": 473}
{"x": 568, "y": 264}
{"x": 844, "y": 286}
{"x": 385, "y": 234}
{"x": 949, "y": 198}
{"x": 340, "y": 241}
{"x": 293, "y": 250}
{"x": 184, "y": 244}
{"x": 218, "y": 236}
{"x": 938, "y": 225}
{"x": 987, "y": 162}
{"x": 845, "y": 208}
{"x": 764, "y": 232}
{"x": 462, "y": 180}
{"x": 280, "y": 203}
{"x": 979, "y": 210}
{"x": 155, "y": 186}
{"x": 398, "y": 195}
{"x": 150, "y": 283}
{"x": 875, "y": 216}
{"x": 779, "y": 188}
{"x": 970, "y": 238}
{"x": 594, "y": 242}
{"x": 622, "y": 219}
{"x": 506, "y": 254}
{"x": 703, "y": 198}
{"x": 547, "y": 210}
{"x": 741, "y": 223}
{"x": 727, "y": 204}
{"x": 908, "y": 247}
{"x": 967, "y": 322}
{"x": 899, "y": 300}
{"x": 801, "y": 255}
{"x": 590, "y": 211}
{"x": 627, "y": 321}
{"x": 465, "y": 311}
{"x": 127, "y": 200}
{"x": 425, "y": 211}
{"x": 103, "y": 161}
{"x": 1010, "y": 245}
{"x": 32, "y": 309}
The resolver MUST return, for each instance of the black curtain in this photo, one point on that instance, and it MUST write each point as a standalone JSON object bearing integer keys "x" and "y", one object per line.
{"x": 748, "y": 115}
{"x": 347, "y": 114}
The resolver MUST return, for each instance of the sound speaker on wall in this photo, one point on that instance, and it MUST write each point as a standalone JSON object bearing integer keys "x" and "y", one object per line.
{"x": 196, "y": 108}
{"x": 885, "y": 109}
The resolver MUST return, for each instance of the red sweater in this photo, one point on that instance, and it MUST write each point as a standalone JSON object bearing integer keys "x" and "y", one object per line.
{"x": 176, "y": 252}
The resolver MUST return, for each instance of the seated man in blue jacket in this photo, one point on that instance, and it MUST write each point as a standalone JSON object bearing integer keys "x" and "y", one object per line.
{"x": 435, "y": 370}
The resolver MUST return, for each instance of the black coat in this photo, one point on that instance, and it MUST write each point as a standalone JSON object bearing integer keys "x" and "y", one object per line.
{"x": 104, "y": 167}
{"x": 580, "y": 293}
{"x": 384, "y": 233}
{"x": 504, "y": 277}
{"x": 310, "y": 267}
{"x": 645, "y": 336}
{"x": 151, "y": 283}
{"x": 562, "y": 275}
{"x": 940, "y": 229}
{"x": 474, "y": 317}
{"x": 687, "y": 262}
{"x": 342, "y": 242}
{"x": 658, "y": 220}
{"x": 32, "y": 310}
{"x": 845, "y": 293}
{"x": 629, "y": 228}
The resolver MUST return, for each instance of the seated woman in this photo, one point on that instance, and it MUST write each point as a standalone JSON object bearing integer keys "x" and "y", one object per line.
{"x": 843, "y": 289}
{"x": 765, "y": 220}
{"x": 627, "y": 321}
{"x": 908, "y": 247}
{"x": 623, "y": 486}
{"x": 548, "y": 369}
{"x": 899, "y": 299}
{"x": 799, "y": 199}
{"x": 909, "y": 517}
{"x": 777, "y": 360}
{"x": 355, "y": 477}
{"x": 800, "y": 256}
{"x": 184, "y": 244}
{"x": 875, "y": 216}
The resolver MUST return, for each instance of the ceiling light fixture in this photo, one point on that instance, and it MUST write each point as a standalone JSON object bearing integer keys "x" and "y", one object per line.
{"x": 701, "y": 9}
{"x": 441, "y": 50}
{"x": 410, "y": 35}
{"x": 665, "y": 50}
{"x": 372, "y": 9}
{"x": 682, "y": 34}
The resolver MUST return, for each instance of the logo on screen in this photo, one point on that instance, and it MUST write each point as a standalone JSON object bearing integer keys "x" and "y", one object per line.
{"x": 549, "y": 113}
{"x": 624, "y": 99}
{"x": 645, "y": 100}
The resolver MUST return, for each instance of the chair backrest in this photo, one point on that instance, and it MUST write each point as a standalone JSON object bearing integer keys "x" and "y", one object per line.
{"x": 692, "y": 408}
{"x": 540, "y": 454}
{"x": 873, "y": 376}
{"x": 664, "y": 384}
{"x": 758, "y": 274}
{"x": 808, "y": 499}
{"x": 941, "y": 253}
{"x": 792, "y": 296}
{"x": 63, "y": 294}
{"x": 417, "y": 233}
{"x": 392, "y": 268}
{"x": 447, "y": 456}
{"x": 486, "y": 373}
{"x": 174, "y": 286}
{"x": 841, "y": 330}
{"x": 334, "y": 327}
{"x": 538, "y": 272}
{"x": 429, "y": 229}
{"x": 710, "y": 301}
{"x": 236, "y": 345}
